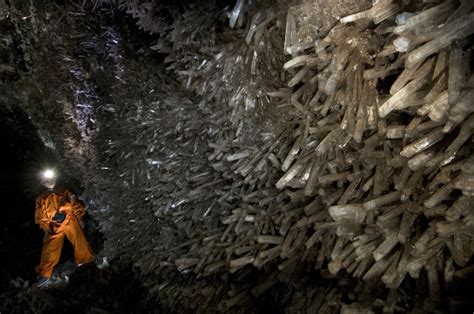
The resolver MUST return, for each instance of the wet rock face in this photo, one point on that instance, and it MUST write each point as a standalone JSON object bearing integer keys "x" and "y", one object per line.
{"x": 262, "y": 154}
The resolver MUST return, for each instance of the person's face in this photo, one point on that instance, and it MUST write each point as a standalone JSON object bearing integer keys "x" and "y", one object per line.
{"x": 49, "y": 183}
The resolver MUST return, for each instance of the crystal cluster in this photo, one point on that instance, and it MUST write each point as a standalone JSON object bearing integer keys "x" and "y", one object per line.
{"x": 346, "y": 147}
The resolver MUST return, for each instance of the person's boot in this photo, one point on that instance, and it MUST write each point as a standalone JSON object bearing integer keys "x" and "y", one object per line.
{"x": 43, "y": 282}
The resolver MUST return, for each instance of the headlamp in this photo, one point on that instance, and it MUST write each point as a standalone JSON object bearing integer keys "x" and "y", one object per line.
{"x": 48, "y": 174}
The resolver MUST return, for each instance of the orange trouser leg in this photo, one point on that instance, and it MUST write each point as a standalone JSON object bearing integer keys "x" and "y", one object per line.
{"x": 50, "y": 254}
{"x": 82, "y": 251}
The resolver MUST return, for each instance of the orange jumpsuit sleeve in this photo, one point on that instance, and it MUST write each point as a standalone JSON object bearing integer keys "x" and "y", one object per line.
{"x": 41, "y": 217}
{"x": 77, "y": 208}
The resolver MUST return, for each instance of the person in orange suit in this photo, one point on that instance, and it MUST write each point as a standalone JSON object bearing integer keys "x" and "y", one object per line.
{"x": 59, "y": 214}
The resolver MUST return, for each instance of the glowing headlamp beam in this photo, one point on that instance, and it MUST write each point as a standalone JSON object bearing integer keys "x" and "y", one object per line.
{"x": 48, "y": 174}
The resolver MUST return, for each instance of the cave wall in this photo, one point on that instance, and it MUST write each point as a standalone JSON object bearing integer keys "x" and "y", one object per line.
{"x": 181, "y": 131}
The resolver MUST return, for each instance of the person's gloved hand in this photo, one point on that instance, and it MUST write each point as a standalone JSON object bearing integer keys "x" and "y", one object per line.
{"x": 54, "y": 227}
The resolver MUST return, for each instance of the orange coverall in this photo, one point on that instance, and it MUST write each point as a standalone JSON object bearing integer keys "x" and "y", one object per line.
{"x": 47, "y": 204}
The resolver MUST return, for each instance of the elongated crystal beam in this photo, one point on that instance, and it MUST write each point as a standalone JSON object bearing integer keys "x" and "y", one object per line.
{"x": 455, "y": 75}
{"x": 393, "y": 280}
{"x": 290, "y": 32}
{"x": 456, "y": 30}
{"x": 237, "y": 263}
{"x": 383, "y": 200}
{"x": 292, "y": 154}
{"x": 423, "y": 143}
{"x": 381, "y": 266}
{"x": 464, "y": 134}
{"x": 386, "y": 246}
{"x": 423, "y": 17}
{"x": 291, "y": 173}
{"x": 424, "y": 239}
{"x": 381, "y": 10}
{"x": 460, "y": 110}
{"x": 421, "y": 77}
{"x": 269, "y": 239}
{"x": 256, "y": 19}
{"x": 438, "y": 196}
{"x": 438, "y": 110}
{"x": 404, "y": 77}
{"x": 406, "y": 225}
{"x": 419, "y": 260}
{"x": 466, "y": 6}
{"x": 234, "y": 15}
{"x": 354, "y": 212}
